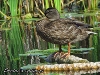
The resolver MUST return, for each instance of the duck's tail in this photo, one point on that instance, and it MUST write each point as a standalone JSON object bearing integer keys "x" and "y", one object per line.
{"x": 90, "y": 32}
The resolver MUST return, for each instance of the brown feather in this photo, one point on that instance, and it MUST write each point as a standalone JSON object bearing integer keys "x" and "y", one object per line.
{"x": 61, "y": 31}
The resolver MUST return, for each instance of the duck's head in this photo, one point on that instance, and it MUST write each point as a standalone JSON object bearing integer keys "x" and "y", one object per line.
{"x": 52, "y": 14}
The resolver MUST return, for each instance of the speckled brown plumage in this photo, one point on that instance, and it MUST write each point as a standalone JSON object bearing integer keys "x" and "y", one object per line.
{"x": 61, "y": 31}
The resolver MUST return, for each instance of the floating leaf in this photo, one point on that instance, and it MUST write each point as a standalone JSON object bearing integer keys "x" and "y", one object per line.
{"x": 30, "y": 54}
{"x": 30, "y": 66}
{"x": 79, "y": 15}
{"x": 81, "y": 50}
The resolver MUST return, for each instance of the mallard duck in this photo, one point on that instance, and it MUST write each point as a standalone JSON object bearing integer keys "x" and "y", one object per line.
{"x": 61, "y": 31}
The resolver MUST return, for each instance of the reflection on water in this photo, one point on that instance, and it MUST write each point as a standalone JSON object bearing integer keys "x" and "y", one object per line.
{"x": 81, "y": 72}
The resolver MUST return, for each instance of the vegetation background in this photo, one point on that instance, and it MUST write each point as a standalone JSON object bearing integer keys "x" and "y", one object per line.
{"x": 18, "y": 34}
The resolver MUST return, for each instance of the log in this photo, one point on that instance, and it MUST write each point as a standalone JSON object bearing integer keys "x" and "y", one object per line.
{"x": 69, "y": 67}
{"x": 80, "y": 72}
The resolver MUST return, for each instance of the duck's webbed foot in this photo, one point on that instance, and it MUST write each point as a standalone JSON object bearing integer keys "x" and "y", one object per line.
{"x": 65, "y": 55}
{"x": 61, "y": 55}
{"x": 58, "y": 54}
{"x": 68, "y": 53}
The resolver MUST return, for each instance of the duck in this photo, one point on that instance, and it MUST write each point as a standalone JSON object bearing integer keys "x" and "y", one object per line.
{"x": 61, "y": 31}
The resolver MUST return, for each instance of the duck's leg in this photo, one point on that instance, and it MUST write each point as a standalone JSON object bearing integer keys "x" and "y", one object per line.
{"x": 58, "y": 52}
{"x": 69, "y": 48}
{"x": 68, "y": 53}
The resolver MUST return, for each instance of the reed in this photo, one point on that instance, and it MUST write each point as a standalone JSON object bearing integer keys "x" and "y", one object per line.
{"x": 13, "y": 37}
{"x": 95, "y": 41}
{"x": 58, "y": 5}
{"x": 47, "y": 4}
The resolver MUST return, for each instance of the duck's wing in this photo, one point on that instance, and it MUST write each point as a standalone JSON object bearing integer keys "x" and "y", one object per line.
{"x": 79, "y": 23}
{"x": 62, "y": 31}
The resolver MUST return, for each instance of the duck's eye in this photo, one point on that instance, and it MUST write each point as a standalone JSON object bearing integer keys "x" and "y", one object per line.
{"x": 49, "y": 11}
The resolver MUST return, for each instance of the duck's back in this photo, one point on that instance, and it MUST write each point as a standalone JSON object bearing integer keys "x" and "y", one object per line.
{"x": 61, "y": 31}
